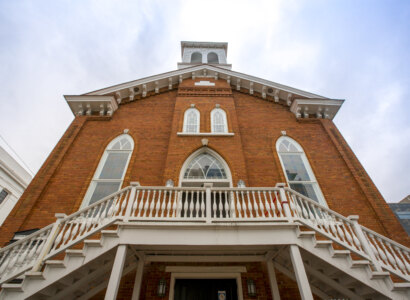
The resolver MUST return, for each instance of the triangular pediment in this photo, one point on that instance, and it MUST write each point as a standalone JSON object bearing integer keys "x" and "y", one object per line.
{"x": 301, "y": 103}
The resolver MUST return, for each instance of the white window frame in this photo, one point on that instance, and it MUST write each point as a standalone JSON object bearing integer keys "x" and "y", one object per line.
{"x": 225, "y": 122}
{"x": 227, "y": 181}
{"x": 198, "y": 115}
{"x": 306, "y": 163}
{"x": 101, "y": 164}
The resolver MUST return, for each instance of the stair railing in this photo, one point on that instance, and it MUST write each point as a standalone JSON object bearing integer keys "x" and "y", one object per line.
{"x": 379, "y": 250}
{"x": 206, "y": 205}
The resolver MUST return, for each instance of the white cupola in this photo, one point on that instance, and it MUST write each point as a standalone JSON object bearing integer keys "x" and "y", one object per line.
{"x": 196, "y": 53}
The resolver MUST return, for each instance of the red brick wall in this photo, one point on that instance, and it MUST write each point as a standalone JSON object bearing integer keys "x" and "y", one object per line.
{"x": 159, "y": 153}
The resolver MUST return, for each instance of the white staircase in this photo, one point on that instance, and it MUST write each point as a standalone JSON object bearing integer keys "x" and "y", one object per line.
{"x": 72, "y": 258}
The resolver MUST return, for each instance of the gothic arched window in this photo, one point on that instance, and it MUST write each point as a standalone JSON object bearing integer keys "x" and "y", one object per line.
{"x": 213, "y": 58}
{"x": 191, "y": 120}
{"x": 205, "y": 166}
{"x": 218, "y": 121}
{"x": 196, "y": 57}
{"x": 111, "y": 170}
{"x": 298, "y": 172}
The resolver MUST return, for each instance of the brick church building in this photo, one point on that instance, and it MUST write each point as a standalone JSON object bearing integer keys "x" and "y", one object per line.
{"x": 203, "y": 183}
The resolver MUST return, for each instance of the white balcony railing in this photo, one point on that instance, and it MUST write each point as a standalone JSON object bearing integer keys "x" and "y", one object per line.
{"x": 202, "y": 205}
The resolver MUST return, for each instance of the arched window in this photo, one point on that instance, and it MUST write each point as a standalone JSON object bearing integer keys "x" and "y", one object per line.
{"x": 191, "y": 120}
{"x": 213, "y": 58}
{"x": 196, "y": 57}
{"x": 298, "y": 172}
{"x": 111, "y": 170}
{"x": 218, "y": 121}
{"x": 205, "y": 166}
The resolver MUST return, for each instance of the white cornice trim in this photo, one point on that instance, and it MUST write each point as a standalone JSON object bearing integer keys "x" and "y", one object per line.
{"x": 89, "y": 104}
{"x": 318, "y": 108}
{"x": 210, "y": 71}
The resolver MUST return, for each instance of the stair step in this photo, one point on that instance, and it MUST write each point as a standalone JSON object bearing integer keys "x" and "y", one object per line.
{"x": 360, "y": 263}
{"x": 34, "y": 275}
{"x": 93, "y": 243}
{"x": 323, "y": 244}
{"x": 380, "y": 274}
{"x": 74, "y": 252}
{"x": 110, "y": 233}
{"x": 55, "y": 263}
{"x": 401, "y": 286}
{"x": 340, "y": 253}
{"x": 308, "y": 234}
{"x": 15, "y": 287}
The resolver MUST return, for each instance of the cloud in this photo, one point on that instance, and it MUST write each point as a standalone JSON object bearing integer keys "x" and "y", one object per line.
{"x": 340, "y": 49}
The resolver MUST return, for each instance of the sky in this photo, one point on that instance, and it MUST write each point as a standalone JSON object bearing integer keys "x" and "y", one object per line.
{"x": 357, "y": 50}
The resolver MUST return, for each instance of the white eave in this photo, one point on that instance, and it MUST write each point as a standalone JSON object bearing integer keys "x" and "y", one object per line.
{"x": 92, "y": 104}
{"x": 266, "y": 89}
{"x": 317, "y": 108}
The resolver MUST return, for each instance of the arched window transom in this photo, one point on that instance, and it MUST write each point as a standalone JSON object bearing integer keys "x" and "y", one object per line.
{"x": 191, "y": 120}
{"x": 111, "y": 170}
{"x": 205, "y": 166}
{"x": 218, "y": 121}
{"x": 298, "y": 172}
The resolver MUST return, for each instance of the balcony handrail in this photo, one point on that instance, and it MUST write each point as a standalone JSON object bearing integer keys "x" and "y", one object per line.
{"x": 202, "y": 204}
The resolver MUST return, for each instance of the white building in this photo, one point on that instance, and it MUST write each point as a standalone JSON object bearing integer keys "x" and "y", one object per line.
{"x": 13, "y": 181}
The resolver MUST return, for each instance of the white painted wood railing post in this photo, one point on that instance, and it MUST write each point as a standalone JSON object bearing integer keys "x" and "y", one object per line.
{"x": 363, "y": 241}
{"x": 300, "y": 273}
{"x": 284, "y": 201}
{"x": 208, "y": 207}
{"x": 116, "y": 273}
{"x": 131, "y": 200}
{"x": 49, "y": 242}
{"x": 138, "y": 279}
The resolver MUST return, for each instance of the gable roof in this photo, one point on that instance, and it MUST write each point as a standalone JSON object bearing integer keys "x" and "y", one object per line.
{"x": 307, "y": 104}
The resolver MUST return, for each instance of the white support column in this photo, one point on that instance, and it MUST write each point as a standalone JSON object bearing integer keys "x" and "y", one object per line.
{"x": 116, "y": 273}
{"x": 300, "y": 273}
{"x": 272, "y": 280}
{"x": 138, "y": 279}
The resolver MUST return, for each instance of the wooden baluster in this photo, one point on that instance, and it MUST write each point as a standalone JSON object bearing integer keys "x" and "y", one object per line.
{"x": 125, "y": 199}
{"x": 246, "y": 212}
{"x": 238, "y": 205}
{"x": 175, "y": 204}
{"x": 24, "y": 253}
{"x": 263, "y": 210}
{"x": 147, "y": 204}
{"x": 347, "y": 234}
{"x": 214, "y": 204}
{"x": 191, "y": 204}
{"x": 272, "y": 203}
{"x": 158, "y": 204}
{"x": 399, "y": 263}
{"x": 406, "y": 264}
{"x": 226, "y": 202}
{"x": 135, "y": 204}
{"x": 379, "y": 253}
{"x": 167, "y": 214}
{"x": 255, "y": 205}
{"x": 152, "y": 203}
{"x": 202, "y": 206}
{"x": 141, "y": 210}
{"x": 185, "y": 204}
{"x": 250, "y": 207}
{"x": 355, "y": 238}
{"x": 268, "y": 207}
{"x": 231, "y": 204}
{"x": 390, "y": 258}
{"x": 278, "y": 205}
{"x": 220, "y": 205}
